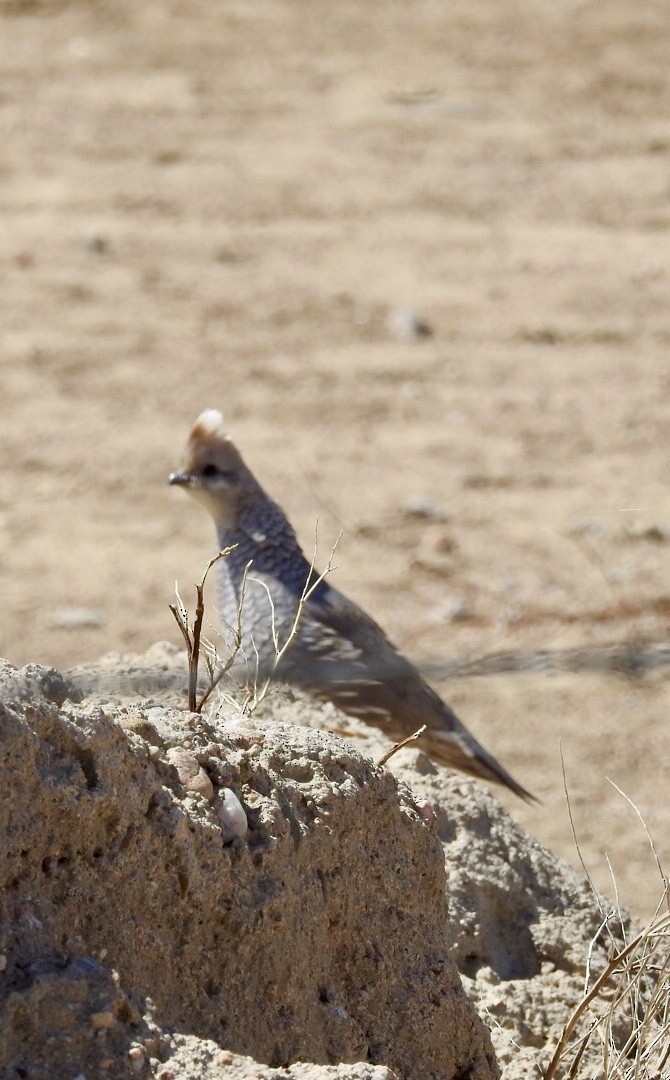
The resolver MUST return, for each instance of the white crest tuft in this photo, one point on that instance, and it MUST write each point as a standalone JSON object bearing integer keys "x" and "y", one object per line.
{"x": 210, "y": 422}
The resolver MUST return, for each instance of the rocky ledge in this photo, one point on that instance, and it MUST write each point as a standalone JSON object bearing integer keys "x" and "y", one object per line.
{"x": 225, "y": 895}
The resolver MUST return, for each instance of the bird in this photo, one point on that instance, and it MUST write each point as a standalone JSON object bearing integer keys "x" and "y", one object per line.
{"x": 294, "y": 627}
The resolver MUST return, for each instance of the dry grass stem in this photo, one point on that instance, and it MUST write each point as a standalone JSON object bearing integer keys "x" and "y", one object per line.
{"x": 661, "y": 870}
{"x": 193, "y": 638}
{"x": 215, "y": 666}
{"x": 399, "y": 745}
{"x": 628, "y": 1006}
{"x": 632, "y": 995}
{"x": 313, "y": 581}
{"x": 197, "y": 646}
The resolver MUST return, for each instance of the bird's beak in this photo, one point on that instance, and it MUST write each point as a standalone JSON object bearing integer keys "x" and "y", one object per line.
{"x": 182, "y": 479}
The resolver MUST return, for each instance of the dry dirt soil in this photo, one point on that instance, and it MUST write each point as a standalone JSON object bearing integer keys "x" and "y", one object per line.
{"x": 232, "y": 204}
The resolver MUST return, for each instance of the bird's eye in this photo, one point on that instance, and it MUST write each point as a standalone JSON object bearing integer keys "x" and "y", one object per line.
{"x": 213, "y": 472}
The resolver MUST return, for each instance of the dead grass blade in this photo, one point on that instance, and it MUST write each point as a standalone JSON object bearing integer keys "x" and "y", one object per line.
{"x": 313, "y": 581}
{"x": 192, "y": 635}
{"x": 627, "y": 1009}
{"x": 628, "y": 1006}
{"x": 399, "y": 745}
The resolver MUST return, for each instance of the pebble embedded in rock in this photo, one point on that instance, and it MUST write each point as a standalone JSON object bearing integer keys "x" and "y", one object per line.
{"x": 137, "y": 1058}
{"x": 191, "y": 775}
{"x": 234, "y": 824}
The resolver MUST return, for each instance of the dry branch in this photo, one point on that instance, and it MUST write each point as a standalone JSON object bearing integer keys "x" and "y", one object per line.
{"x": 193, "y": 634}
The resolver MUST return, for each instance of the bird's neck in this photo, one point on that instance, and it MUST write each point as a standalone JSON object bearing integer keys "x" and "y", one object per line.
{"x": 263, "y": 537}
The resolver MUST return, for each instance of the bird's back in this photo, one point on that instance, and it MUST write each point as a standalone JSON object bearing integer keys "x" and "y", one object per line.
{"x": 297, "y": 628}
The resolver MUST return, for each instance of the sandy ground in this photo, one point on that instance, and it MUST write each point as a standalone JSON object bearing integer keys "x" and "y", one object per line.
{"x": 223, "y": 205}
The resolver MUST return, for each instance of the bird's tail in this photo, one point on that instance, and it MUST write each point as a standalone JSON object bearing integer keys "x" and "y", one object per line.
{"x": 457, "y": 749}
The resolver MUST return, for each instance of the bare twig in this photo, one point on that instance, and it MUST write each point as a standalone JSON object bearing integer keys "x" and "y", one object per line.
{"x": 628, "y": 1006}
{"x": 596, "y": 894}
{"x": 192, "y": 634}
{"x": 215, "y": 676}
{"x": 399, "y": 745}
{"x": 659, "y": 926}
{"x": 664, "y": 876}
{"x": 311, "y": 584}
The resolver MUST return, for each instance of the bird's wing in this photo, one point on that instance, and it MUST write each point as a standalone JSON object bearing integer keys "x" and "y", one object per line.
{"x": 342, "y": 655}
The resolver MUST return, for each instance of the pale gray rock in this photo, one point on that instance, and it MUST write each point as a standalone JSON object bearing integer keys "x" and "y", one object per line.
{"x": 321, "y": 936}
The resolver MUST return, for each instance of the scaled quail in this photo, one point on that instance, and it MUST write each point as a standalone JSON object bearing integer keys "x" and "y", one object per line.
{"x": 337, "y": 653}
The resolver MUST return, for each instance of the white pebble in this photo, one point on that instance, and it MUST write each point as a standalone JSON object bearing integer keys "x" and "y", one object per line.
{"x": 232, "y": 816}
{"x": 137, "y": 1058}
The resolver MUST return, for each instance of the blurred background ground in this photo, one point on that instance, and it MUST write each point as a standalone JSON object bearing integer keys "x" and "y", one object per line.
{"x": 236, "y": 205}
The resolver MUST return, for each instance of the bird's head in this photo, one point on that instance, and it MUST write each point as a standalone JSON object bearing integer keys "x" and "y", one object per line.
{"x": 212, "y": 469}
